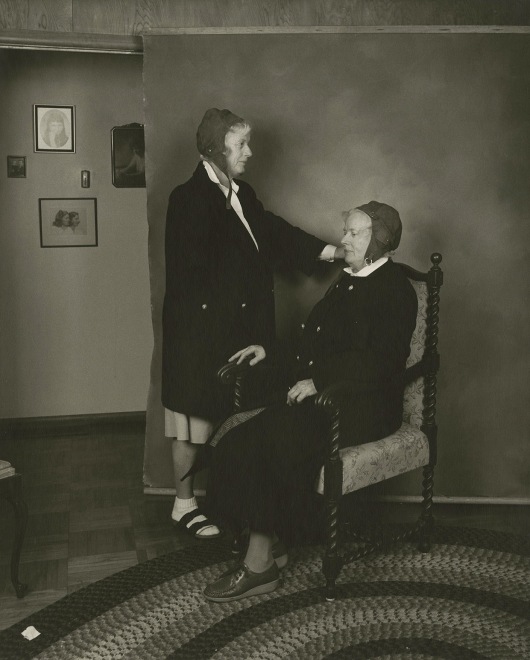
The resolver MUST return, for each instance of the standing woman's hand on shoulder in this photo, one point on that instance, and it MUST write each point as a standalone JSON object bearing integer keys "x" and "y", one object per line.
{"x": 257, "y": 351}
{"x": 339, "y": 253}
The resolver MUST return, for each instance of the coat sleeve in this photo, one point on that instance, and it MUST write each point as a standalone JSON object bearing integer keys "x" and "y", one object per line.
{"x": 289, "y": 246}
{"x": 379, "y": 349}
{"x": 293, "y": 247}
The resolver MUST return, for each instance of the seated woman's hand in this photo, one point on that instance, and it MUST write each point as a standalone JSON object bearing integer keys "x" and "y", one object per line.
{"x": 303, "y": 388}
{"x": 257, "y": 351}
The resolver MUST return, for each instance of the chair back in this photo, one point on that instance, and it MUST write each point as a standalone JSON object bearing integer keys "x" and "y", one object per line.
{"x": 419, "y": 403}
{"x": 413, "y": 396}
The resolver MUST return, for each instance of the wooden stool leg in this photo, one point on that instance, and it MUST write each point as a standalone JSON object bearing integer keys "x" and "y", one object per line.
{"x": 14, "y": 495}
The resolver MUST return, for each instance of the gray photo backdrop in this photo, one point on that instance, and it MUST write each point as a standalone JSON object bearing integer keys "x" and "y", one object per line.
{"x": 437, "y": 126}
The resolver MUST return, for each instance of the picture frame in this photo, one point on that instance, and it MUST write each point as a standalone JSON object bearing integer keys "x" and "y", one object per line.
{"x": 68, "y": 222}
{"x": 54, "y": 128}
{"x": 16, "y": 167}
{"x": 128, "y": 156}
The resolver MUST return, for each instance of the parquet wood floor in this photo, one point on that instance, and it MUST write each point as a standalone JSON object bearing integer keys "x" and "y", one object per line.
{"x": 89, "y": 518}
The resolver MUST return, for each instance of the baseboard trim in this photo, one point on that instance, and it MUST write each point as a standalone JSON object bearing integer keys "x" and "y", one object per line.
{"x": 442, "y": 499}
{"x": 404, "y": 499}
{"x": 152, "y": 490}
{"x": 27, "y": 427}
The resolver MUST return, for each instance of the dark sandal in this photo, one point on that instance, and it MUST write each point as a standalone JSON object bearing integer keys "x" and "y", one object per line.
{"x": 193, "y": 528}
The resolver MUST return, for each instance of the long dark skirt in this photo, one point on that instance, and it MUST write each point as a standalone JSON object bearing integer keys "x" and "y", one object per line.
{"x": 263, "y": 472}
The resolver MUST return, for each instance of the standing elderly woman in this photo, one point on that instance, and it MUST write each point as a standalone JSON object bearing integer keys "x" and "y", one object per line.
{"x": 221, "y": 249}
{"x": 263, "y": 471}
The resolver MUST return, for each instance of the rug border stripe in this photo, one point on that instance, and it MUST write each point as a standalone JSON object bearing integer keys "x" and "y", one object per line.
{"x": 439, "y": 648}
{"x": 225, "y": 631}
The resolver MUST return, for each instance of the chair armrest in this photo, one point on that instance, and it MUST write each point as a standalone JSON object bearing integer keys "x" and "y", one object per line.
{"x": 228, "y": 373}
{"x": 235, "y": 374}
{"x": 329, "y": 398}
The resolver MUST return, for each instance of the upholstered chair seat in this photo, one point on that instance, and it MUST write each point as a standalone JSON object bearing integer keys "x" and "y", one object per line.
{"x": 364, "y": 465}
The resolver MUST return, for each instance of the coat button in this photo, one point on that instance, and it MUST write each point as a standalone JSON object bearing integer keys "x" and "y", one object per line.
{"x": 243, "y": 304}
{"x": 310, "y": 363}
{"x": 318, "y": 329}
{"x": 297, "y": 357}
{"x": 350, "y": 287}
{"x": 204, "y": 306}
{"x": 303, "y": 325}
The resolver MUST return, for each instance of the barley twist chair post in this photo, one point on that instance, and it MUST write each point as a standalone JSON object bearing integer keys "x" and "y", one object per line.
{"x": 432, "y": 359}
{"x": 234, "y": 374}
{"x": 332, "y": 562}
{"x": 238, "y": 392}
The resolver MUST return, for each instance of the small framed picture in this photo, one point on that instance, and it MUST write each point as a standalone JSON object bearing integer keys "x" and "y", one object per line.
{"x": 128, "y": 156}
{"x": 54, "y": 128}
{"x": 16, "y": 167}
{"x": 68, "y": 222}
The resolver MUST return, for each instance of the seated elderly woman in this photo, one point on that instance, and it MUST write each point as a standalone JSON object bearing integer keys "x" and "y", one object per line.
{"x": 263, "y": 471}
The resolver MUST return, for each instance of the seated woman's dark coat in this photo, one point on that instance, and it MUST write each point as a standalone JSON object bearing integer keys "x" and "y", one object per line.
{"x": 263, "y": 470}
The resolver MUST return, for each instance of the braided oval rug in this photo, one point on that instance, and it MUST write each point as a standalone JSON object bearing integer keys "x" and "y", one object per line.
{"x": 469, "y": 597}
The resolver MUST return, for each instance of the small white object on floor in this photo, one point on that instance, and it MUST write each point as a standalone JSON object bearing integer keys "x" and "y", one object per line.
{"x": 30, "y": 633}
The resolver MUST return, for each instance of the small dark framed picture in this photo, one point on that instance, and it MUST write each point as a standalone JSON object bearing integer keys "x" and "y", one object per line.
{"x": 128, "y": 156}
{"x": 68, "y": 222}
{"x": 16, "y": 167}
{"x": 54, "y": 128}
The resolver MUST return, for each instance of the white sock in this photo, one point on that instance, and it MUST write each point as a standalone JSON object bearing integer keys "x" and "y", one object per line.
{"x": 181, "y": 507}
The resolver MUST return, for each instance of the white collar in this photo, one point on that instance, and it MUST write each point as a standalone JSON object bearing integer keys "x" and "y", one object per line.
{"x": 366, "y": 270}
{"x": 213, "y": 177}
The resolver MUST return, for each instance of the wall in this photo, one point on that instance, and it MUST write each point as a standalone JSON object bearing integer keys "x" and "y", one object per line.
{"x": 75, "y": 322}
{"x": 436, "y": 125}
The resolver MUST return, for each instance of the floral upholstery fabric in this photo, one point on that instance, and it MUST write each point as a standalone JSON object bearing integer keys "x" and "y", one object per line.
{"x": 413, "y": 403}
{"x": 363, "y": 465}
{"x": 417, "y": 343}
{"x": 413, "y": 396}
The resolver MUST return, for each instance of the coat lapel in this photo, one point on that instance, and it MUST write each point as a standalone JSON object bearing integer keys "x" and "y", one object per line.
{"x": 227, "y": 220}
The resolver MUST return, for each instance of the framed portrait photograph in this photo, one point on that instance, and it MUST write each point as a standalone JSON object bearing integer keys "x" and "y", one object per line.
{"x": 68, "y": 222}
{"x": 128, "y": 156}
{"x": 16, "y": 167}
{"x": 54, "y": 128}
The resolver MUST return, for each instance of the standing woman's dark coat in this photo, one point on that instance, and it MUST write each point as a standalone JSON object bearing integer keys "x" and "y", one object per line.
{"x": 219, "y": 287}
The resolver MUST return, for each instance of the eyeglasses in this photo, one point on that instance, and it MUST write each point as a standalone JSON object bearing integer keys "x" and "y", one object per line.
{"x": 353, "y": 233}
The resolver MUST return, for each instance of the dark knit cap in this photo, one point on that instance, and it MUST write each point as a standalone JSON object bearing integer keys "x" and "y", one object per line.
{"x": 386, "y": 228}
{"x": 212, "y": 131}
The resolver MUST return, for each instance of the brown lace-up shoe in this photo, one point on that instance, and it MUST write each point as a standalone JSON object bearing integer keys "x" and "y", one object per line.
{"x": 242, "y": 582}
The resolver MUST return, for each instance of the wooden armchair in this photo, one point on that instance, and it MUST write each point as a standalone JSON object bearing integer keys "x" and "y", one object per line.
{"x": 413, "y": 446}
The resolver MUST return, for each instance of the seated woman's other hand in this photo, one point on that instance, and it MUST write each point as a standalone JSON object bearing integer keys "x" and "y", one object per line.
{"x": 255, "y": 350}
{"x": 303, "y": 388}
